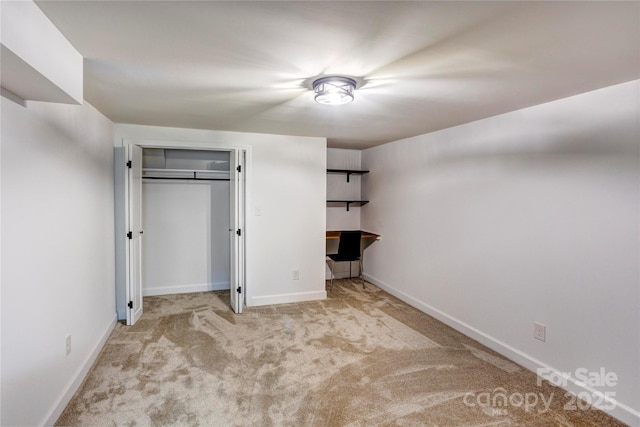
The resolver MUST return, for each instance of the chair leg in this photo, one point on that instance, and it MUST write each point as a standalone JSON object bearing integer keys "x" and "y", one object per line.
{"x": 331, "y": 268}
{"x": 362, "y": 273}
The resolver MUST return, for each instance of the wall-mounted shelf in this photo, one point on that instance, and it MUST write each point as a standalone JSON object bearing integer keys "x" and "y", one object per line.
{"x": 347, "y": 172}
{"x": 347, "y": 203}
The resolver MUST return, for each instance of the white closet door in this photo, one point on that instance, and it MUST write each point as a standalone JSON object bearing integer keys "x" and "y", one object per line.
{"x": 134, "y": 262}
{"x": 236, "y": 229}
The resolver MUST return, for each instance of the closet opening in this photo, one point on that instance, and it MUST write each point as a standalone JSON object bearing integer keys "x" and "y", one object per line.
{"x": 191, "y": 218}
{"x": 185, "y": 216}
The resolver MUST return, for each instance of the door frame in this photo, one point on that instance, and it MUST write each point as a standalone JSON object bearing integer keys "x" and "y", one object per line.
{"x": 192, "y": 145}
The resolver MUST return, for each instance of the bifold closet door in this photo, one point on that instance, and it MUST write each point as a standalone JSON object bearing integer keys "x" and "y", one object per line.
{"x": 134, "y": 252}
{"x": 236, "y": 229}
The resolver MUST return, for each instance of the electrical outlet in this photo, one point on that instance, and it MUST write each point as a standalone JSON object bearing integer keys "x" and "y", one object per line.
{"x": 68, "y": 345}
{"x": 295, "y": 274}
{"x": 539, "y": 331}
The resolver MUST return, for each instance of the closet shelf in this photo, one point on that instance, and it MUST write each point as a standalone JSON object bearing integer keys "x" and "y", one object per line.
{"x": 347, "y": 203}
{"x": 347, "y": 172}
{"x": 185, "y": 174}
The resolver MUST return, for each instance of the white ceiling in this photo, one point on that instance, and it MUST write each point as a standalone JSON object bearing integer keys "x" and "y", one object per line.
{"x": 423, "y": 66}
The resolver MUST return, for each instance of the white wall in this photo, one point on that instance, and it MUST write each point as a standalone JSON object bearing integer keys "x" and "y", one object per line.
{"x": 285, "y": 221}
{"x": 186, "y": 236}
{"x": 527, "y": 216}
{"x": 57, "y": 257}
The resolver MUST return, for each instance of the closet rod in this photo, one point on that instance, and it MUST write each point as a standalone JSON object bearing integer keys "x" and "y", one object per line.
{"x": 186, "y": 178}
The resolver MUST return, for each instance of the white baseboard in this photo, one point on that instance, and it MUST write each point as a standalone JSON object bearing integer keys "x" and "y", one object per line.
{"x": 79, "y": 376}
{"x": 620, "y": 411}
{"x": 185, "y": 289}
{"x": 287, "y": 298}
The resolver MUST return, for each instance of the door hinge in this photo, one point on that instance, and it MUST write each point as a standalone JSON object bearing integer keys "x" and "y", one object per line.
{"x": 130, "y": 235}
{"x": 239, "y": 232}
{"x": 239, "y": 289}
{"x": 130, "y": 304}
{"x": 239, "y": 168}
{"x": 129, "y": 164}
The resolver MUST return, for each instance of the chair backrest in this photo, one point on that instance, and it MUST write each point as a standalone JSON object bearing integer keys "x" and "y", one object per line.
{"x": 349, "y": 244}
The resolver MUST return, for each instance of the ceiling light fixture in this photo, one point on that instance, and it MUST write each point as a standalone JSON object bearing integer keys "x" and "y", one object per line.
{"x": 334, "y": 90}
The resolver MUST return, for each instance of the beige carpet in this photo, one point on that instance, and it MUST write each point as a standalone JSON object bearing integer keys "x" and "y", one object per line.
{"x": 359, "y": 358}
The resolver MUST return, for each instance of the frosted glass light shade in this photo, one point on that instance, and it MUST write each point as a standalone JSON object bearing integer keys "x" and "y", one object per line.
{"x": 336, "y": 90}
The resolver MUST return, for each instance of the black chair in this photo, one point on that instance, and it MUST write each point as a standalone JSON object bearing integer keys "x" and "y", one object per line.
{"x": 348, "y": 251}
